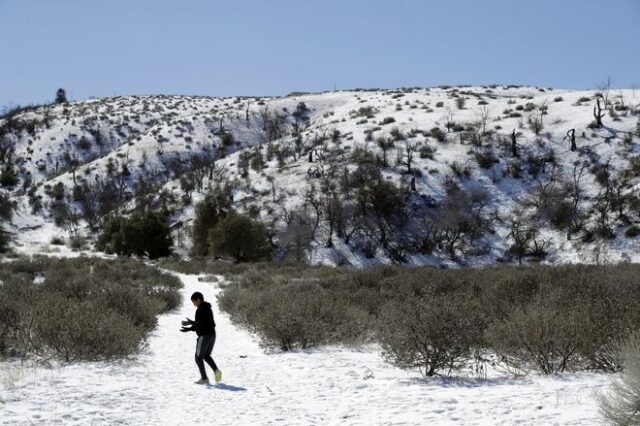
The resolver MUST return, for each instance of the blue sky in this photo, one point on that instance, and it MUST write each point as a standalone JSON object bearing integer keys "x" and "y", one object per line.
{"x": 272, "y": 47}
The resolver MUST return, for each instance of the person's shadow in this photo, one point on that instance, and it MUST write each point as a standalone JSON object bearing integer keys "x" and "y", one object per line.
{"x": 231, "y": 388}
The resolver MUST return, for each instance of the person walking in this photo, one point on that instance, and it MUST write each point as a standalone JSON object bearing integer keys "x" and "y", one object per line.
{"x": 205, "y": 328}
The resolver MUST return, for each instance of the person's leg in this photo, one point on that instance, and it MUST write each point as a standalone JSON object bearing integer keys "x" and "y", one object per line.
{"x": 200, "y": 358}
{"x": 211, "y": 362}
{"x": 208, "y": 348}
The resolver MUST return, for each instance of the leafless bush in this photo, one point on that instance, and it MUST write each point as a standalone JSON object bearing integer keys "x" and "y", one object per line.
{"x": 619, "y": 406}
{"x": 80, "y": 309}
{"x": 434, "y": 334}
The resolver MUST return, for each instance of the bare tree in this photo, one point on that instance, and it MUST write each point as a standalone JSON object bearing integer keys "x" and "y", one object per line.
{"x": 484, "y": 117}
{"x": 597, "y": 111}
{"x": 6, "y": 149}
{"x": 575, "y": 192}
{"x": 246, "y": 112}
{"x": 535, "y": 123}
{"x": 449, "y": 118}
{"x": 604, "y": 90}
{"x": 406, "y": 155}
{"x": 571, "y": 134}
{"x": 523, "y": 233}
{"x": 385, "y": 144}
{"x": 313, "y": 200}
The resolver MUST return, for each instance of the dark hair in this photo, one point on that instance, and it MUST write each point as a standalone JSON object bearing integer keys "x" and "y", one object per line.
{"x": 197, "y": 296}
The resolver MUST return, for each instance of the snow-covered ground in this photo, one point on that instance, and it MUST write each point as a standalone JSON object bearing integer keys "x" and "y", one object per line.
{"x": 331, "y": 386}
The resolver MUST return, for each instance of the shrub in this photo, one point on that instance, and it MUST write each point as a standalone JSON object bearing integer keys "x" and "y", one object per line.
{"x": 6, "y": 207}
{"x": 620, "y": 405}
{"x": 208, "y": 213}
{"x": 293, "y": 313}
{"x": 486, "y": 159}
{"x": 80, "y": 309}
{"x": 434, "y": 334}
{"x": 549, "y": 319}
{"x": 58, "y": 191}
{"x": 141, "y": 234}
{"x": 535, "y": 124}
{"x": 537, "y": 336}
{"x": 632, "y": 231}
{"x": 427, "y": 151}
{"x": 4, "y": 240}
{"x": 561, "y": 214}
{"x": 437, "y": 134}
{"x": 241, "y": 238}
{"x": 83, "y": 144}
{"x": 57, "y": 241}
{"x": 61, "y": 96}
{"x": 388, "y": 120}
{"x": 227, "y": 139}
{"x": 74, "y": 331}
{"x": 8, "y": 177}
{"x": 77, "y": 242}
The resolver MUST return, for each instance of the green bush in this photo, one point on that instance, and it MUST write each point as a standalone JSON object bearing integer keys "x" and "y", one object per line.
{"x": 632, "y": 231}
{"x": 208, "y": 213}
{"x": 8, "y": 177}
{"x": 240, "y": 238}
{"x": 427, "y": 151}
{"x": 5, "y": 240}
{"x": 486, "y": 159}
{"x": 141, "y": 234}
{"x": 437, "y": 134}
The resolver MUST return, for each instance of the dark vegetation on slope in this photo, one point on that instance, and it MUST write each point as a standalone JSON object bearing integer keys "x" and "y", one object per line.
{"x": 364, "y": 190}
{"x": 83, "y": 309}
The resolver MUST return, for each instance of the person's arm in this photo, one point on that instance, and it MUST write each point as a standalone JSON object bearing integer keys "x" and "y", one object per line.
{"x": 188, "y": 325}
{"x": 197, "y": 324}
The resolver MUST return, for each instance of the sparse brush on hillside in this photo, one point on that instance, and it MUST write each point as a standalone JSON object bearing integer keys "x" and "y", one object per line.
{"x": 313, "y": 171}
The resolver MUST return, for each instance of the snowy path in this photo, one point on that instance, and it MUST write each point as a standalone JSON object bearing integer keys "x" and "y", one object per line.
{"x": 333, "y": 386}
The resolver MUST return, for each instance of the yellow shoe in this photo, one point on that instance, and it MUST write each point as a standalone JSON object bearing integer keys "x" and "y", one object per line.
{"x": 218, "y": 374}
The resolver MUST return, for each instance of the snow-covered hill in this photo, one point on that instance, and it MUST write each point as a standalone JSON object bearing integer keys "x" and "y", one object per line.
{"x": 448, "y": 150}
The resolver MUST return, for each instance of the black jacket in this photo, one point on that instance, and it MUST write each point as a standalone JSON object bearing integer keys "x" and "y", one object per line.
{"x": 205, "y": 324}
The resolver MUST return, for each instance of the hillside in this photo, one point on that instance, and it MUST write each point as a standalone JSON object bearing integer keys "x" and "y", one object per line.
{"x": 418, "y": 176}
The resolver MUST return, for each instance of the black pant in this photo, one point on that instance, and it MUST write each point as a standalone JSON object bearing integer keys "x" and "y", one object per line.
{"x": 204, "y": 346}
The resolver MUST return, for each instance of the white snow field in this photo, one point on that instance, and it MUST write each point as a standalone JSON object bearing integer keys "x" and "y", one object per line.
{"x": 331, "y": 386}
